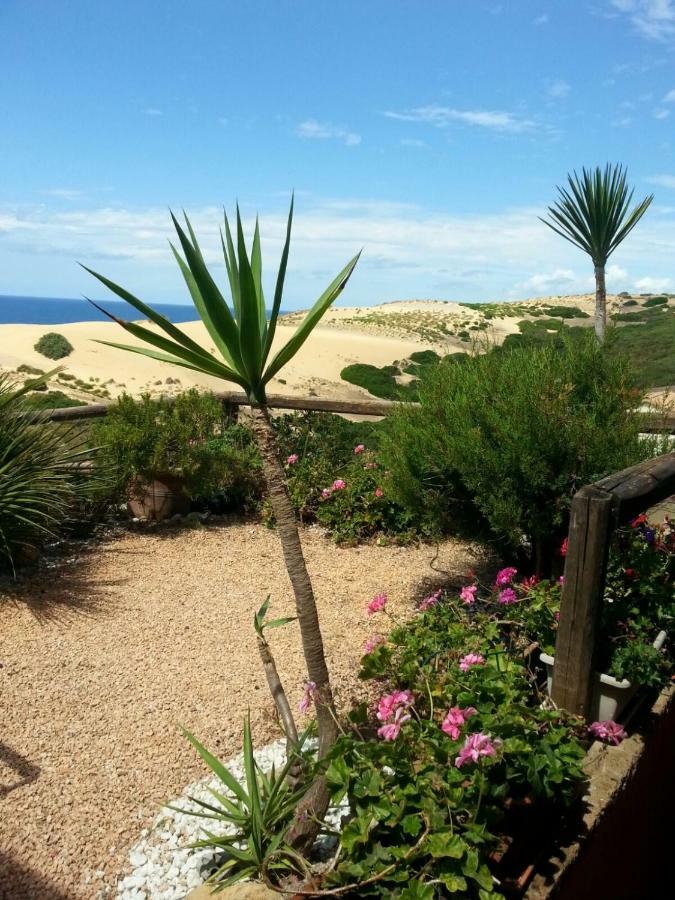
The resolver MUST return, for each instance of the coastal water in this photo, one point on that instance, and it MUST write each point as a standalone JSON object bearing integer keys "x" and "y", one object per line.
{"x": 61, "y": 311}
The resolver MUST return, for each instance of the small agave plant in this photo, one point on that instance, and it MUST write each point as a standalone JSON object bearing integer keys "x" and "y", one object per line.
{"x": 243, "y": 337}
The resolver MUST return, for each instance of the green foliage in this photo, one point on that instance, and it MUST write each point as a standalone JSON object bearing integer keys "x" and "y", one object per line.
{"x": 54, "y": 345}
{"x": 510, "y": 436}
{"x": 565, "y": 312}
{"x": 38, "y": 486}
{"x": 51, "y": 400}
{"x": 324, "y": 445}
{"x": 417, "y": 818}
{"x": 247, "y": 822}
{"x": 380, "y": 382}
{"x": 243, "y": 335}
{"x": 143, "y": 438}
{"x": 656, "y": 301}
{"x": 630, "y": 302}
{"x": 24, "y": 368}
{"x": 651, "y": 346}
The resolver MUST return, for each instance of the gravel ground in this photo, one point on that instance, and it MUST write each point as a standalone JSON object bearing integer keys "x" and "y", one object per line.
{"x": 104, "y": 656}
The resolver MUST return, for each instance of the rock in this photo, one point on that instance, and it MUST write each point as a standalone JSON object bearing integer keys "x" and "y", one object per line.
{"x": 248, "y": 890}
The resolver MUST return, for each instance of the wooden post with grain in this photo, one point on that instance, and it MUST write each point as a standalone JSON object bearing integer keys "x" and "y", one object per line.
{"x": 596, "y": 510}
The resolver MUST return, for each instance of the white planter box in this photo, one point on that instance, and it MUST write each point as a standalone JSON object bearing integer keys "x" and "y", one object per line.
{"x": 609, "y": 695}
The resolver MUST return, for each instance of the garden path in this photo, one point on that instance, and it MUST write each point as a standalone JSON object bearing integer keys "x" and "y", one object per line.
{"x": 104, "y": 655}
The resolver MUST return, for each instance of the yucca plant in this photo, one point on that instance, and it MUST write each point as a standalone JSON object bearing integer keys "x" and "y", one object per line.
{"x": 243, "y": 337}
{"x": 594, "y": 215}
{"x": 252, "y": 817}
{"x": 38, "y": 484}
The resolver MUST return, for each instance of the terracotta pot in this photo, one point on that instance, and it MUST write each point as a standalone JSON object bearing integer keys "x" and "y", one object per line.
{"x": 158, "y": 499}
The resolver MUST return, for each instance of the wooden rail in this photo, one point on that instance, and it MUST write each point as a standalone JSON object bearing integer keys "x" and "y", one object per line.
{"x": 377, "y": 408}
{"x": 652, "y": 424}
{"x": 597, "y": 510}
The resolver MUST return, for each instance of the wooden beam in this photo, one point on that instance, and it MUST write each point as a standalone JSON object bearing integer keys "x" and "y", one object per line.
{"x": 583, "y": 589}
{"x": 637, "y": 488}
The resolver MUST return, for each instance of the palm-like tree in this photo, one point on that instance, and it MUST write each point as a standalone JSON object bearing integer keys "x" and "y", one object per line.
{"x": 594, "y": 216}
{"x": 243, "y": 337}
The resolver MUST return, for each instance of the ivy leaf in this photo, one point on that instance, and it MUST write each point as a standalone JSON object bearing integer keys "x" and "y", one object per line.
{"x": 444, "y": 843}
{"x": 453, "y": 882}
{"x": 411, "y": 825}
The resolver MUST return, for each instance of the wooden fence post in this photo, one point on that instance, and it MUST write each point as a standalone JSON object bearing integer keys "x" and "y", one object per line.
{"x": 583, "y": 589}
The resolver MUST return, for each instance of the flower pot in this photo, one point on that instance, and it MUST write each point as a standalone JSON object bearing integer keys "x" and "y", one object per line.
{"x": 158, "y": 499}
{"x": 609, "y": 695}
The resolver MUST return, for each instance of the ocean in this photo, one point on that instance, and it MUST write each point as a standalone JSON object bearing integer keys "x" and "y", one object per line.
{"x": 61, "y": 311}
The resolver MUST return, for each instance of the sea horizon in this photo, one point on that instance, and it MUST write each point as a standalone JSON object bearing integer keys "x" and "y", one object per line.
{"x": 17, "y": 309}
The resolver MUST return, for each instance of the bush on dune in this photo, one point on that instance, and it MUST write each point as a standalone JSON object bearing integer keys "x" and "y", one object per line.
{"x": 54, "y": 345}
{"x": 509, "y": 437}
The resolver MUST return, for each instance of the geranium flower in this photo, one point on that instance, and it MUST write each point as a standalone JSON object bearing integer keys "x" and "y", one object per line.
{"x": 372, "y": 643}
{"x": 391, "y": 731}
{"x": 638, "y": 520}
{"x": 307, "y": 697}
{"x": 325, "y": 493}
{"x": 475, "y": 746}
{"x": 377, "y": 604}
{"x": 505, "y": 576}
{"x": 468, "y": 594}
{"x": 471, "y": 659}
{"x": 608, "y": 731}
{"x": 508, "y": 596}
{"x": 370, "y": 465}
{"x": 292, "y": 459}
{"x": 530, "y": 582}
{"x": 455, "y": 719}
{"x": 359, "y": 449}
{"x": 561, "y": 580}
{"x": 389, "y": 703}
{"x": 563, "y": 548}
{"x": 429, "y": 601}
{"x": 339, "y": 485}
{"x": 379, "y": 492}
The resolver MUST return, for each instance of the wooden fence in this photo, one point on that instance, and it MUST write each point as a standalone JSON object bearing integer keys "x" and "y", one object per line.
{"x": 653, "y": 423}
{"x": 597, "y": 509}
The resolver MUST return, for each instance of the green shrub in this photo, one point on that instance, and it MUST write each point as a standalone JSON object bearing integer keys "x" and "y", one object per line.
{"x": 565, "y": 312}
{"x": 29, "y": 370}
{"x": 630, "y": 303}
{"x": 380, "y": 382}
{"x": 38, "y": 486}
{"x": 54, "y": 345}
{"x": 51, "y": 400}
{"x": 655, "y": 301}
{"x": 142, "y": 438}
{"x": 510, "y": 437}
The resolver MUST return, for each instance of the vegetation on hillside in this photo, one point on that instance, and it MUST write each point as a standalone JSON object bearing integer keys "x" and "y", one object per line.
{"x": 54, "y": 345}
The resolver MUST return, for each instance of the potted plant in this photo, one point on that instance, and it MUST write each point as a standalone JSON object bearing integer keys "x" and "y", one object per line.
{"x": 161, "y": 455}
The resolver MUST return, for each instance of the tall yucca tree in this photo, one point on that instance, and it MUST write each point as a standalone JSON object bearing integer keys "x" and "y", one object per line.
{"x": 594, "y": 216}
{"x": 243, "y": 338}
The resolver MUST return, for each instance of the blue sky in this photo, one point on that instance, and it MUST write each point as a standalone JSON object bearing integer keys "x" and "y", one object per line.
{"x": 430, "y": 132}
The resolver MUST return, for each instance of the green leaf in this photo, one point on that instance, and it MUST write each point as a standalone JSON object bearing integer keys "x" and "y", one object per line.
{"x": 218, "y": 769}
{"x": 278, "y": 623}
{"x": 411, "y": 825}
{"x": 256, "y": 271}
{"x": 259, "y": 617}
{"x": 232, "y": 269}
{"x": 250, "y": 343}
{"x": 310, "y": 321}
{"x": 445, "y": 843}
{"x": 279, "y": 289}
{"x": 166, "y": 357}
{"x": 453, "y": 882}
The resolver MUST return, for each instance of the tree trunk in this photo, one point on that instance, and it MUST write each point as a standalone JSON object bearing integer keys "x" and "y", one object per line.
{"x": 315, "y": 803}
{"x": 600, "y": 303}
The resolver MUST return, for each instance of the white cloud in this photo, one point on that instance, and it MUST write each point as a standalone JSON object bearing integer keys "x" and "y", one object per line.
{"x": 653, "y": 19}
{"x": 670, "y": 97}
{"x": 559, "y": 89}
{"x": 540, "y": 20}
{"x": 153, "y": 111}
{"x": 412, "y": 142}
{"x": 63, "y": 193}
{"x": 615, "y": 273}
{"x": 649, "y": 284}
{"x": 442, "y": 116}
{"x": 666, "y": 181}
{"x": 661, "y": 113}
{"x": 326, "y": 131}
{"x": 409, "y": 251}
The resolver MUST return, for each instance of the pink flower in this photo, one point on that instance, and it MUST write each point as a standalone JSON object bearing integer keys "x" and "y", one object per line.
{"x": 505, "y": 576}
{"x": 455, "y": 719}
{"x": 391, "y": 731}
{"x": 307, "y": 697}
{"x": 359, "y": 449}
{"x": 508, "y": 596}
{"x": 339, "y": 485}
{"x": 468, "y": 594}
{"x": 379, "y": 492}
{"x": 471, "y": 659}
{"x": 475, "y": 746}
{"x": 325, "y": 493}
{"x": 372, "y": 643}
{"x": 608, "y": 731}
{"x": 370, "y": 465}
{"x": 563, "y": 548}
{"x": 561, "y": 580}
{"x": 292, "y": 459}
{"x": 377, "y": 604}
{"x": 556, "y": 615}
{"x": 389, "y": 703}
{"x": 429, "y": 601}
